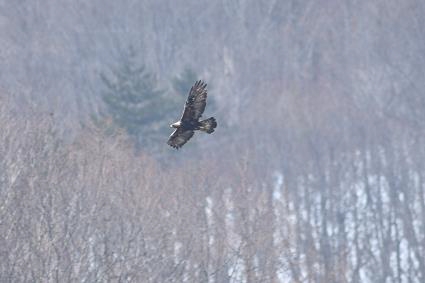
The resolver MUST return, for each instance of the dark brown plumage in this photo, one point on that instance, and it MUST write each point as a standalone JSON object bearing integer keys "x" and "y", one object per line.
{"x": 189, "y": 122}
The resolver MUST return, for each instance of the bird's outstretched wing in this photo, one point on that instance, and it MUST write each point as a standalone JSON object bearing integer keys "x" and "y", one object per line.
{"x": 179, "y": 137}
{"x": 195, "y": 103}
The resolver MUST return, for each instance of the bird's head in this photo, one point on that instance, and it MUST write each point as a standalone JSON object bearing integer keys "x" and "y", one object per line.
{"x": 175, "y": 125}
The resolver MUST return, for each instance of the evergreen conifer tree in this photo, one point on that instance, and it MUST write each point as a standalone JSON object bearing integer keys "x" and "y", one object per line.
{"x": 135, "y": 102}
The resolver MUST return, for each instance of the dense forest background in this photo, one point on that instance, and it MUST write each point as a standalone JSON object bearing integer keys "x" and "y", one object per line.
{"x": 316, "y": 172}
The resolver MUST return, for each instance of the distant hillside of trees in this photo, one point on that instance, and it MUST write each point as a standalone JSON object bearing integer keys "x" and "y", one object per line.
{"x": 315, "y": 173}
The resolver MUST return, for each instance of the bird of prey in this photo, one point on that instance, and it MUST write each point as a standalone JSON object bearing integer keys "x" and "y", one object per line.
{"x": 189, "y": 122}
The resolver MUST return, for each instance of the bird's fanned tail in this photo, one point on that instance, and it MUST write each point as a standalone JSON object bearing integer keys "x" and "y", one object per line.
{"x": 208, "y": 125}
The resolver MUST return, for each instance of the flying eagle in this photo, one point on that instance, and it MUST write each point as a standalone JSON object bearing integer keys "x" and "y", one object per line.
{"x": 189, "y": 122}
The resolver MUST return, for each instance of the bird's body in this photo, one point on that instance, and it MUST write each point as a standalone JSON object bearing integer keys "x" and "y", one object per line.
{"x": 189, "y": 122}
{"x": 195, "y": 126}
